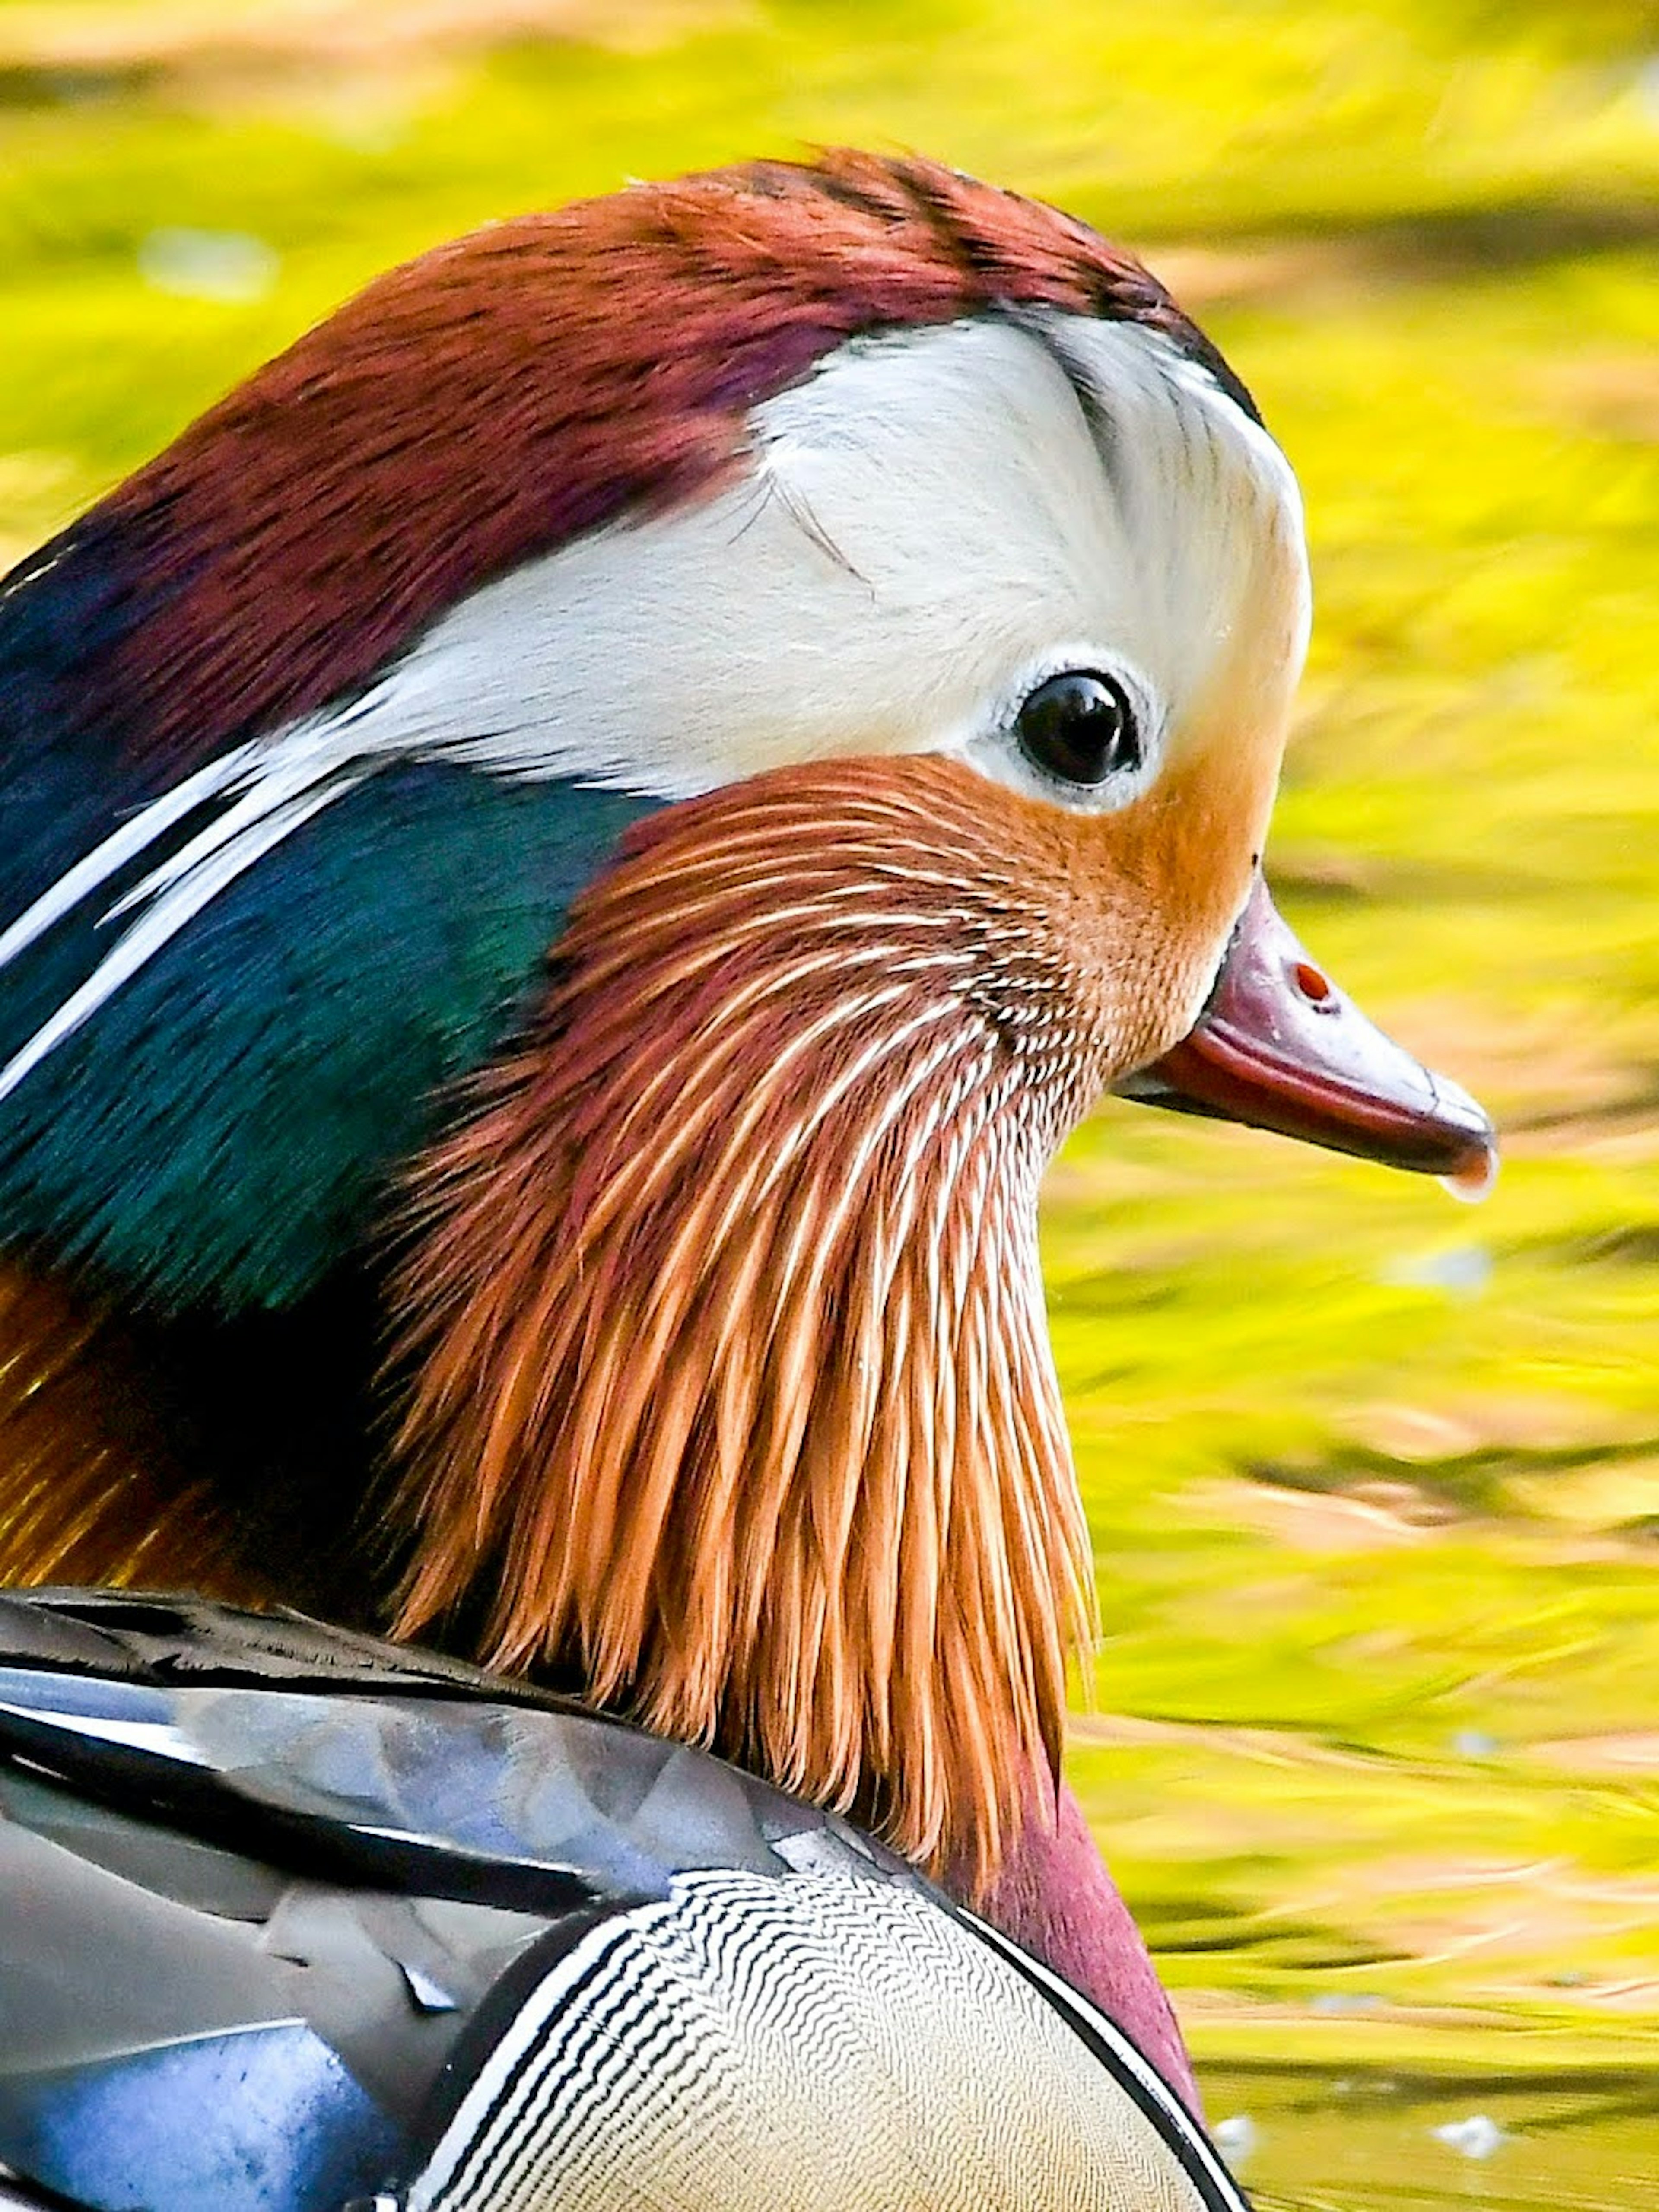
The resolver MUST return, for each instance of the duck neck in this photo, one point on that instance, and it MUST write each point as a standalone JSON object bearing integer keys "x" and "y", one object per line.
{"x": 732, "y": 1390}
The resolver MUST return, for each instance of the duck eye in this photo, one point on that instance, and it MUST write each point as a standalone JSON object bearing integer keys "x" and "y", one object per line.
{"x": 1081, "y": 727}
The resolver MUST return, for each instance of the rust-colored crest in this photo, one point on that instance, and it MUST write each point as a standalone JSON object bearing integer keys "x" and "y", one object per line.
{"x": 506, "y": 392}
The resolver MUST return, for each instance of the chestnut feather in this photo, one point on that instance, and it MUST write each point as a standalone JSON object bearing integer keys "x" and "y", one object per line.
{"x": 732, "y": 1387}
{"x": 504, "y": 394}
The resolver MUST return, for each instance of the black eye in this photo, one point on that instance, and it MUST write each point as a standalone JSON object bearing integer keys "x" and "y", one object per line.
{"x": 1079, "y": 726}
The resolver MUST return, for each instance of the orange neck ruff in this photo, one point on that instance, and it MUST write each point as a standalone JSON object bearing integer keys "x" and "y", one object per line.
{"x": 731, "y": 1385}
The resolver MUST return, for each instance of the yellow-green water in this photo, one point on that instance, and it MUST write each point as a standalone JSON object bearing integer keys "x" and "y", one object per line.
{"x": 1417, "y": 2139}
{"x": 1374, "y": 1742}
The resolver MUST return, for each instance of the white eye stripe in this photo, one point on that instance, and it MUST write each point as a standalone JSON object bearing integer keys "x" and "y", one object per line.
{"x": 928, "y": 518}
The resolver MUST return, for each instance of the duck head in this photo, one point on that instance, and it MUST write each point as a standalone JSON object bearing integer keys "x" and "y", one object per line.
{"x": 898, "y": 558}
{"x": 900, "y": 575}
{"x": 729, "y": 1382}
{"x": 310, "y": 730}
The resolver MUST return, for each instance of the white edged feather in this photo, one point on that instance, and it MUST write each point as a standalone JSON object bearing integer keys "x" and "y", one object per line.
{"x": 134, "y": 837}
{"x": 178, "y": 890}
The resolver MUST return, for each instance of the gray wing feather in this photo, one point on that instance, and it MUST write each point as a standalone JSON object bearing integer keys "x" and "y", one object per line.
{"x": 279, "y": 1905}
{"x": 240, "y": 1849}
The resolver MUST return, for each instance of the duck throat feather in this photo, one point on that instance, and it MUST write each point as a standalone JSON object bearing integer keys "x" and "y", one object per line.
{"x": 730, "y": 1381}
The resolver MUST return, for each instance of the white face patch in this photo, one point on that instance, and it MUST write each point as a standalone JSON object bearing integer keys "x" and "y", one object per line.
{"x": 933, "y": 525}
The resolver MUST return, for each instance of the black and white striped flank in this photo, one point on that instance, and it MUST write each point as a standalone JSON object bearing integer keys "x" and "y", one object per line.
{"x": 818, "y": 2044}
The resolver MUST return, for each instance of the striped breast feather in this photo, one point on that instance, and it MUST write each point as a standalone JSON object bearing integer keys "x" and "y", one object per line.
{"x": 751, "y": 2046}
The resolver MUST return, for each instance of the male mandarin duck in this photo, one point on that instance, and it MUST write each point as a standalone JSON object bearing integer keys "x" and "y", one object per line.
{"x": 571, "y": 850}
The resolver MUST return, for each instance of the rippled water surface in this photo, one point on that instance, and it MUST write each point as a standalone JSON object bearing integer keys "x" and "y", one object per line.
{"x": 1363, "y": 2142}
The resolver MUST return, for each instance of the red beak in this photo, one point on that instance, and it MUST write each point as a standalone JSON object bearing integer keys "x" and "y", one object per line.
{"x": 1278, "y": 1047}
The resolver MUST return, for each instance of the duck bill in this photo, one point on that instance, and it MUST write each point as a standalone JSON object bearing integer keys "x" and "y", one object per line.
{"x": 1278, "y": 1047}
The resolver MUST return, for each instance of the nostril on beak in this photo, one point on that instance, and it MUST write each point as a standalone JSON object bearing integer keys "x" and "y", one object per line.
{"x": 1314, "y": 987}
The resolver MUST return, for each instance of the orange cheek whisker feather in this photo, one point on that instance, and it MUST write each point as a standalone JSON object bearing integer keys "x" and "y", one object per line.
{"x": 730, "y": 1383}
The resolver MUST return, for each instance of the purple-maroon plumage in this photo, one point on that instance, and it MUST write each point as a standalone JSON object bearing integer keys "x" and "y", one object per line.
{"x": 505, "y": 394}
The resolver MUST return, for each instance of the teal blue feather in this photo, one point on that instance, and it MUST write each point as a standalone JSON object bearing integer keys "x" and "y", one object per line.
{"x": 221, "y": 1135}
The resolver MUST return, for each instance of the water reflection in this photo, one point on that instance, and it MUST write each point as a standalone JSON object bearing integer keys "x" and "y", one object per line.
{"x": 1579, "y": 2141}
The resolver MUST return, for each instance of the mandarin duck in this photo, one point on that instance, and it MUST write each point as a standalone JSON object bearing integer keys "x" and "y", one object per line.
{"x": 572, "y": 849}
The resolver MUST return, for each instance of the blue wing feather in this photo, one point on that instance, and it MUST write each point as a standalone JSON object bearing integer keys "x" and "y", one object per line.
{"x": 228, "y": 1995}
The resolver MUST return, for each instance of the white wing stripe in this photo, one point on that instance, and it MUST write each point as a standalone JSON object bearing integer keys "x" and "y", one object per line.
{"x": 287, "y": 772}
{"x": 125, "y": 844}
{"x": 1179, "y": 2120}
{"x": 264, "y": 828}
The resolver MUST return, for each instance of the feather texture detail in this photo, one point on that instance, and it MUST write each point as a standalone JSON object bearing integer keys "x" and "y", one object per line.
{"x": 732, "y": 1389}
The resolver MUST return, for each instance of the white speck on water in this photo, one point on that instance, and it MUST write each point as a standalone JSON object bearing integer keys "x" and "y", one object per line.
{"x": 1461, "y": 1271}
{"x": 228, "y": 265}
{"x": 1236, "y": 2136}
{"x": 1475, "y": 1743}
{"x": 1477, "y": 2137}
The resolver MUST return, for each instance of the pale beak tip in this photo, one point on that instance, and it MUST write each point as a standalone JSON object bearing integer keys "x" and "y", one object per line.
{"x": 1472, "y": 1179}
{"x": 1470, "y": 1176}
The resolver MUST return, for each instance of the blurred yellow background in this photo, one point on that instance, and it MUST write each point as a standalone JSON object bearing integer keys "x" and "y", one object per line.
{"x": 1374, "y": 1743}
